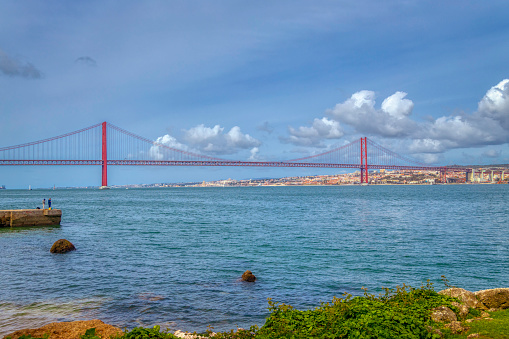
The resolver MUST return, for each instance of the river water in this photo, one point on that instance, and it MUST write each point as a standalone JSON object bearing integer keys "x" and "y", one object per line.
{"x": 174, "y": 256}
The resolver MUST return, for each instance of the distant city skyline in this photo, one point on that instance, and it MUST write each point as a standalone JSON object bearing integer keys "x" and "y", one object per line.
{"x": 255, "y": 81}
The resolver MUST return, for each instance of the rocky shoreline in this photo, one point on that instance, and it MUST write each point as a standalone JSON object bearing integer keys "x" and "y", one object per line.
{"x": 484, "y": 301}
{"x": 481, "y": 303}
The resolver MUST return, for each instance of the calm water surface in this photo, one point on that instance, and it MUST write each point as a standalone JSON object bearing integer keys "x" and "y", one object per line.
{"x": 174, "y": 256}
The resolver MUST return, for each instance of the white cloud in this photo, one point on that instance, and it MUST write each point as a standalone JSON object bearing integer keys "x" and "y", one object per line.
{"x": 213, "y": 140}
{"x": 205, "y": 140}
{"x": 254, "y": 154}
{"x": 488, "y": 126}
{"x": 495, "y": 104}
{"x": 360, "y": 113}
{"x": 429, "y": 158}
{"x": 426, "y": 146}
{"x": 160, "y": 153}
{"x": 398, "y": 107}
{"x": 459, "y": 131}
{"x": 312, "y": 136}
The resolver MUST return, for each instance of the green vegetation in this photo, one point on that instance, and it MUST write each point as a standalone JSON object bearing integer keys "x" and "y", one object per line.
{"x": 145, "y": 333}
{"x": 404, "y": 312}
{"x": 89, "y": 334}
{"x": 498, "y": 328}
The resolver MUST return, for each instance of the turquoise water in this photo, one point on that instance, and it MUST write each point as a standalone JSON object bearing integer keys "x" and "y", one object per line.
{"x": 174, "y": 256}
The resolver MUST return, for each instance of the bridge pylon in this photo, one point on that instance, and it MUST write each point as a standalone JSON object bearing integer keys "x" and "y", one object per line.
{"x": 364, "y": 160}
{"x": 104, "y": 157}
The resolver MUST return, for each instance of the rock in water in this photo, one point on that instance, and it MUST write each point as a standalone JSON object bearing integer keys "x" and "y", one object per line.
{"x": 248, "y": 276}
{"x": 62, "y": 246}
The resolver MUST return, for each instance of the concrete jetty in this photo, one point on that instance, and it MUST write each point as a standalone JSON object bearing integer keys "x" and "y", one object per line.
{"x": 37, "y": 217}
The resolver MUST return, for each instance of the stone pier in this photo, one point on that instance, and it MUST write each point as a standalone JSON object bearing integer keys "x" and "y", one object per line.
{"x": 45, "y": 217}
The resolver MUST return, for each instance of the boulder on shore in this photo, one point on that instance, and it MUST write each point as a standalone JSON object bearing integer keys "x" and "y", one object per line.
{"x": 62, "y": 246}
{"x": 466, "y": 297}
{"x": 69, "y": 330}
{"x": 456, "y": 327}
{"x": 443, "y": 314}
{"x": 248, "y": 276}
{"x": 462, "y": 308}
{"x": 496, "y": 298}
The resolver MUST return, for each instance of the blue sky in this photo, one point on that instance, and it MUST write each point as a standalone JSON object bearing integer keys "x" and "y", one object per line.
{"x": 265, "y": 80}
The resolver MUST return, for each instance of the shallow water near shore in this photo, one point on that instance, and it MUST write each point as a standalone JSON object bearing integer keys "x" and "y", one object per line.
{"x": 174, "y": 256}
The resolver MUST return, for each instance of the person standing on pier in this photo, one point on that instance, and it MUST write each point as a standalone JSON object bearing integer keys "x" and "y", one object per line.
{"x": 43, "y": 203}
{"x": 49, "y": 203}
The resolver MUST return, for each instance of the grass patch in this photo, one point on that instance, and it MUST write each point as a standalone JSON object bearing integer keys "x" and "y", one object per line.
{"x": 498, "y": 328}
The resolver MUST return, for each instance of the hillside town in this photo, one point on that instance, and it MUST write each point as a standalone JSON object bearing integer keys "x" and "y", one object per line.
{"x": 490, "y": 175}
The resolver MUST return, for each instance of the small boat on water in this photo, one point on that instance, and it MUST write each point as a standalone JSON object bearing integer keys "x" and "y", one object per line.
{"x": 29, "y": 187}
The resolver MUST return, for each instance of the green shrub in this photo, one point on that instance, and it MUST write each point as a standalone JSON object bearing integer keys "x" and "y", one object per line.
{"x": 473, "y": 313}
{"x": 90, "y": 334}
{"x": 146, "y": 333}
{"x": 400, "y": 313}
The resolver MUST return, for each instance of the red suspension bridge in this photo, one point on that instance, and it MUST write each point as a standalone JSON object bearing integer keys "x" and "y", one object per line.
{"x": 106, "y": 145}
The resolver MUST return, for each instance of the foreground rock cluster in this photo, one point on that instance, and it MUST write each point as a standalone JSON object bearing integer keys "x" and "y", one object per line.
{"x": 486, "y": 300}
{"x": 481, "y": 301}
{"x": 69, "y": 330}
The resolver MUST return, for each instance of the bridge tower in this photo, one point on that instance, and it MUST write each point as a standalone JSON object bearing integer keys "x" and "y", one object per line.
{"x": 104, "y": 158}
{"x": 364, "y": 160}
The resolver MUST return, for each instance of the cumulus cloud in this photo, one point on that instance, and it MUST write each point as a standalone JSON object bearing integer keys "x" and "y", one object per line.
{"x": 358, "y": 115}
{"x": 391, "y": 120}
{"x": 14, "y": 67}
{"x": 495, "y": 104}
{"x": 86, "y": 61}
{"x": 254, "y": 154}
{"x": 214, "y": 141}
{"x": 427, "y": 146}
{"x": 397, "y": 106}
{"x": 429, "y": 158}
{"x": 488, "y": 126}
{"x": 312, "y": 136}
{"x": 160, "y": 153}
{"x": 205, "y": 140}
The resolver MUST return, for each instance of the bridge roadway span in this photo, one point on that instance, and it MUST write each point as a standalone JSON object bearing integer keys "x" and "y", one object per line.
{"x": 224, "y": 163}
